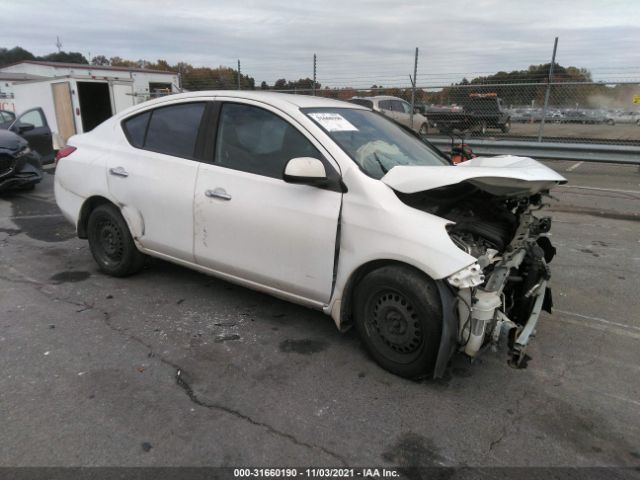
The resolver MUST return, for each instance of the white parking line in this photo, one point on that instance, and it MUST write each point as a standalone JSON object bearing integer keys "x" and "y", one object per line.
{"x": 617, "y": 190}
{"x": 574, "y": 166}
{"x": 597, "y": 319}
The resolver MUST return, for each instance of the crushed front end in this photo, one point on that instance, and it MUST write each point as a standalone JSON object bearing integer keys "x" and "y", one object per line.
{"x": 502, "y": 303}
{"x": 498, "y": 299}
{"x": 20, "y": 167}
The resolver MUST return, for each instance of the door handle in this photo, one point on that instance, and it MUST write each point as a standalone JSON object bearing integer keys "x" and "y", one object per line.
{"x": 220, "y": 193}
{"x": 118, "y": 172}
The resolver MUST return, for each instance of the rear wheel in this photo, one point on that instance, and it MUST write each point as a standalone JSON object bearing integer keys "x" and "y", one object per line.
{"x": 398, "y": 316}
{"x": 111, "y": 243}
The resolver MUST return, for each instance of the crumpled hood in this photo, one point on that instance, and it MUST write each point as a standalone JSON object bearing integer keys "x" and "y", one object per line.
{"x": 11, "y": 142}
{"x": 504, "y": 175}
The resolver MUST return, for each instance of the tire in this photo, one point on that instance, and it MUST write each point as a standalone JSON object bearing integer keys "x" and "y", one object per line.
{"x": 482, "y": 127}
{"x": 398, "y": 317}
{"x": 506, "y": 126}
{"x": 610, "y": 122}
{"x": 111, "y": 243}
{"x": 424, "y": 129}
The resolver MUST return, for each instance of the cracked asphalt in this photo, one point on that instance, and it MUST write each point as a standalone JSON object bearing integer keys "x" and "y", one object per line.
{"x": 174, "y": 368}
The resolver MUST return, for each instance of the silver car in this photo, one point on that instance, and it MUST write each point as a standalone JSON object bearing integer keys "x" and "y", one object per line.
{"x": 397, "y": 109}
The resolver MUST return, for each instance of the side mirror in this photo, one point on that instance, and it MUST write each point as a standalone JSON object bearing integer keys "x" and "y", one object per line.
{"x": 24, "y": 127}
{"x": 305, "y": 170}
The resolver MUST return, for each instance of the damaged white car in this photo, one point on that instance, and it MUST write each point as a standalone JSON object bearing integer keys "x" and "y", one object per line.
{"x": 325, "y": 204}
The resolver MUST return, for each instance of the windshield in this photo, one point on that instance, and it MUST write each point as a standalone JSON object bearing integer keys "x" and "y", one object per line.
{"x": 375, "y": 143}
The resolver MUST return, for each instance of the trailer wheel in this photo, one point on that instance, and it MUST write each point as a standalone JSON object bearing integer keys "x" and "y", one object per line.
{"x": 398, "y": 316}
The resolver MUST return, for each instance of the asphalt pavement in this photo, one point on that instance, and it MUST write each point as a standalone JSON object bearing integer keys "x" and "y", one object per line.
{"x": 172, "y": 367}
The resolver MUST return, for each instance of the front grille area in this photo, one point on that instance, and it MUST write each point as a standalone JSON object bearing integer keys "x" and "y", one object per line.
{"x": 7, "y": 163}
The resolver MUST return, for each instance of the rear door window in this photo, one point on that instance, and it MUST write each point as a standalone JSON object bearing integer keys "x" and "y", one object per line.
{"x": 385, "y": 105}
{"x": 171, "y": 130}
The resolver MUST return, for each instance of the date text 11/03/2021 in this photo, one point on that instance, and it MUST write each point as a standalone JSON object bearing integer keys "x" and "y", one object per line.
{"x": 315, "y": 472}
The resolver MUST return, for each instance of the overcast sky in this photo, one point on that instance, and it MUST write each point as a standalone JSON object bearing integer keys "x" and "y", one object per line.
{"x": 358, "y": 43}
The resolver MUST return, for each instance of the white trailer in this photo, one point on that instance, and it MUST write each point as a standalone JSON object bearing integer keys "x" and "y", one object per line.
{"x": 74, "y": 104}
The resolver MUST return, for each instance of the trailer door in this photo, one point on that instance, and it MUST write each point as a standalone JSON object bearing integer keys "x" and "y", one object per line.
{"x": 64, "y": 110}
{"x": 122, "y": 94}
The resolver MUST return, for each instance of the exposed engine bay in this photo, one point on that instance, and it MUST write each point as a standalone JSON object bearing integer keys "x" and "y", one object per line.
{"x": 500, "y": 297}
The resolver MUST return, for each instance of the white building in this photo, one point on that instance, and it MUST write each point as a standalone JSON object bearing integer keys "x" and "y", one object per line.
{"x": 74, "y": 97}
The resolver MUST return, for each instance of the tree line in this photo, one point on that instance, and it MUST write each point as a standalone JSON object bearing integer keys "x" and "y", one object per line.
{"x": 192, "y": 78}
{"x": 516, "y": 88}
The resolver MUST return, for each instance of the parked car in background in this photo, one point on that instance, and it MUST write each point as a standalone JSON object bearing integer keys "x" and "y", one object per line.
{"x": 32, "y": 125}
{"x": 6, "y": 118}
{"x": 20, "y": 166}
{"x": 326, "y": 204}
{"x": 627, "y": 117}
{"x": 583, "y": 117}
{"x": 397, "y": 109}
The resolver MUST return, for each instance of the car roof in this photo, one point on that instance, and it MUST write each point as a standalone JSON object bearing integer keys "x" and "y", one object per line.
{"x": 377, "y": 97}
{"x": 282, "y": 100}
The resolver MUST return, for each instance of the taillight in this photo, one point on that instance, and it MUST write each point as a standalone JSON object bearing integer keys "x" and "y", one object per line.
{"x": 64, "y": 152}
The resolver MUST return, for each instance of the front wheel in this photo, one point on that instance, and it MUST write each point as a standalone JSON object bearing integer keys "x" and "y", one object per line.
{"x": 111, "y": 243}
{"x": 398, "y": 316}
{"x": 506, "y": 126}
{"x": 424, "y": 129}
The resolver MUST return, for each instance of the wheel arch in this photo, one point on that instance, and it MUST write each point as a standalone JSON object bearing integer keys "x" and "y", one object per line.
{"x": 342, "y": 310}
{"x": 132, "y": 218}
{"x": 85, "y": 211}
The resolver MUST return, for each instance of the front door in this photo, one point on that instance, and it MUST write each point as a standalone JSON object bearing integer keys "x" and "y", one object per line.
{"x": 249, "y": 222}
{"x": 33, "y": 127}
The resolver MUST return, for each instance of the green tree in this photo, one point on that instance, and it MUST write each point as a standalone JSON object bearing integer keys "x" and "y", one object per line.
{"x": 15, "y": 54}
{"x": 100, "y": 60}
{"x": 65, "y": 57}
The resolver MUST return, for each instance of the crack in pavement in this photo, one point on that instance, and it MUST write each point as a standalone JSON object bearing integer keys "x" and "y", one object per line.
{"x": 505, "y": 429}
{"x": 182, "y": 383}
{"x": 179, "y": 377}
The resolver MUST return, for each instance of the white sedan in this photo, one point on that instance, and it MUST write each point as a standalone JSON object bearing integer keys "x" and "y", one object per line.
{"x": 326, "y": 204}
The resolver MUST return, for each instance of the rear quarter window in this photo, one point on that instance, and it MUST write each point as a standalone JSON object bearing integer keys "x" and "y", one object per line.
{"x": 135, "y": 129}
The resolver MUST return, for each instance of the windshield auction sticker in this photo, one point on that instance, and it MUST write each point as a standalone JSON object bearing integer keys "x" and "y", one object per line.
{"x": 333, "y": 122}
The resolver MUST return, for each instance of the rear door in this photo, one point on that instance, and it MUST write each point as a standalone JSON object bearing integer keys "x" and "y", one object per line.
{"x": 402, "y": 112}
{"x": 153, "y": 176}
{"x": 63, "y": 105}
{"x": 386, "y": 107}
{"x": 249, "y": 222}
{"x": 33, "y": 127}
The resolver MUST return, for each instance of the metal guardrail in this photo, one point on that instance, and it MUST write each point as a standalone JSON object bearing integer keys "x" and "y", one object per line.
{"x": 624, "y": 154}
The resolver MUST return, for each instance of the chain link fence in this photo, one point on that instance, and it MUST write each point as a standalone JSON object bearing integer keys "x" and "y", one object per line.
{"x": 539, "y": 104}
{"x": 583, "y": 112}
